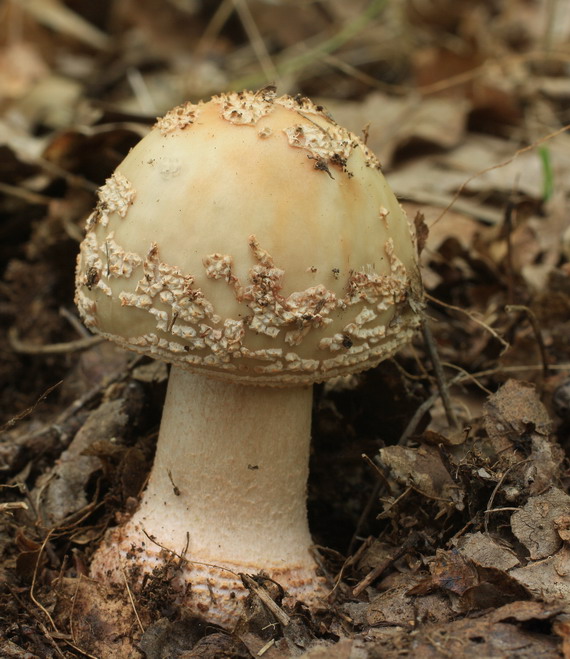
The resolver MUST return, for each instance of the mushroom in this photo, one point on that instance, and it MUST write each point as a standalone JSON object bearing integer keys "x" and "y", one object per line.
{"x": 254, "y": 244}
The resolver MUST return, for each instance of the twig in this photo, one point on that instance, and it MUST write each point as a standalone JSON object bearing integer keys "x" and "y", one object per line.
{"x": 379, "y": 569}
{"x": 12, "y": 422}
{"x": 26, "y": 195}
{"x": 129, "y": 593}
{"x": 256, "y": 40}
{"x": 365, "y": 513}
{"x": 263, "y": 595}
{"x": 472, "y": 317}
{"x": 518, "y": 369}
{"x": 51, "y": 348}
{"x": 468, "y": 376}
{"x": 378, "y": 471}
{"x": 509, "y": 261}
{"x": 296, "y": 63}
{"x": 182, "y": 557}
{"x": 537, "y": 333}
{"x": 504, "y": 163}
{"x": 351, "y": 560}
{"x": 439, "y": 375}
{"x": 396, "y": 501}
{"x": 74, "y": 321}
{"x": 266, "y": 647}
{"x": 496, "y": 489}
{"x": 25, "y": 605}
{"x": 13, "y": 505}
{"x": 78, "y": 649}
{"x": 34, "y": 578}
{"x": 418, "y": 414}
{"x": 501, "y": 510}
{"x": 63, "y": 20}
{"x": 215, "y": 26}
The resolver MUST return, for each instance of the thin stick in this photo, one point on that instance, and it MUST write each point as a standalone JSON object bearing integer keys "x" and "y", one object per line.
{"x": 379, "y": 569}
{"x": 468, "y": 376}
{"x": 49, "y": 636}
{"x": 351, "y": 560}
{"x": 263, "y": 595}
{"x": 537, "y": 333}
{"x": 296, "y": 63}
{"x": 256, "y": 40}
{"x": 25, "y": 194}
{"x": 74, "y": 321}
{"x": 182, "y": 557}
{"x": 129, "y": 593}
{"x": 13, "y": 505}
{"x": 472, "y": 317}
{"x": 509, "y": 261}
{"x": 439, "y": 375}
{"x": 12, "y": 422}
{"x": 517, "y": 153}
{"x": 215, "y": 26}
{"x": 496, "y": 489}
{"x": 365, "y": 513}
{"x": 51, "y": 348}
{"x": 266, "y": 647}
{"x": 34, "y": 578}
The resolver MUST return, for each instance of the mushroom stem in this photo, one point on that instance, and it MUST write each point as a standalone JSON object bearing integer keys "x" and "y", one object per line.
{"x": 229, "y": 479}
{"x": 238, "y": 458}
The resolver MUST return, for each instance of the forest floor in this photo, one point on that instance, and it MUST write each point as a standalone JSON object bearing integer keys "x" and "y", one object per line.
{"x": 438, "y": 495}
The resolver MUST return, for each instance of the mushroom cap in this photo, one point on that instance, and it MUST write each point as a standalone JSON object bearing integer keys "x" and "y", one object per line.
{"x": 254, "y": 239}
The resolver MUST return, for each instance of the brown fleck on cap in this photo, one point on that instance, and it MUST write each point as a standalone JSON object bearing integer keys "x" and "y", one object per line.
{"x": 252, "y": 238}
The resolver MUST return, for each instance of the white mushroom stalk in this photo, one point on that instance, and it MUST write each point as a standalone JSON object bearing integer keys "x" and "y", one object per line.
{"x": 227, "y": 491}
{"x": 253, "y": 240}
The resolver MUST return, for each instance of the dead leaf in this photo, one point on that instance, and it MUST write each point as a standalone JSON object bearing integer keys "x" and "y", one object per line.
{"x": 165, "y": 638}
{"x": 495, "y": 588}
{"x": 474, "y": 638}
{"x": 562, "y": 526}
{"x": 515, "y": 410}
{"x": 423, "y": 470}
{"x": 482, "y": 550}
{"x": 524, "y": 612}
{"x": 547, "y": 579}
{"x": 399, "y": 607}
{"x": 449, "y": 572}
{"x": 102, "y": 618}
{"x": 395, "y": 122}
{"x": 346, "y": 648}
{"x": 535, "y": 525}
{"x": 213, "y": 646}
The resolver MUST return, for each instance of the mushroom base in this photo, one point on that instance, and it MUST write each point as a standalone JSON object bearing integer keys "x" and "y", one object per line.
{"x": 213, "y": 592}
{"x": 226, "y": 495}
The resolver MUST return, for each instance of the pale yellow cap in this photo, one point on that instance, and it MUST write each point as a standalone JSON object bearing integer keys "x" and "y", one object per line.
{"x": 254, "y": 239}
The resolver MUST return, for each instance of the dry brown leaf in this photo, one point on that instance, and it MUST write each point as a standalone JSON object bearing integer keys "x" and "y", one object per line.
{"x": 562, "y": 526}
{"x": 449, "y": 572}
{"x": 345, "y": 649}
{"x": 397, "y": 607}
{"x": 547, "y": 579}
{"x": 394, "y": 122}
{"x": 102, "y": 620}
{"x": 535, "y": 525}
{"x": 63, "y": 490}
{"x": 514, "y": 410}
{"x": 482, "y": 550}
{"x": 422, "y": 469}
{"x": 477, "y": 638}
